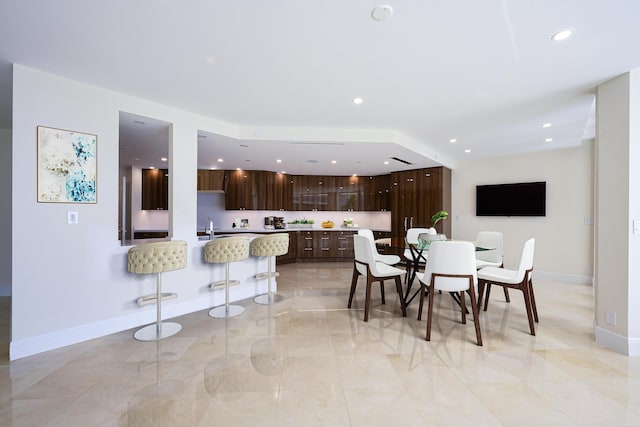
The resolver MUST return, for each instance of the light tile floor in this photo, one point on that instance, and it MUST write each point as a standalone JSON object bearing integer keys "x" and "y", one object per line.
{"x": 309, "y": 361}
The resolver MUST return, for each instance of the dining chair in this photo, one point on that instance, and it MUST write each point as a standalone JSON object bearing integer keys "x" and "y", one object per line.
{"x": 514, "y": 279}
{"x": 387, "y": 259}
{"x": 451, "y": 267}
{"x": 493, "y": 257}
{"x": 373, "y": 271}
{"x": 411, "y": 238}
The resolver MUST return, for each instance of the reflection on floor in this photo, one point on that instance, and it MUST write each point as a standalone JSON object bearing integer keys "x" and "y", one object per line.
{"x": 310, "y": 361}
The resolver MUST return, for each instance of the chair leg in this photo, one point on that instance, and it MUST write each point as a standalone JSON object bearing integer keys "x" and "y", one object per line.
{"x": 475, "y": 307}
{"x": 382, "y": 290}
{"x": 527, "y": 306}
{"x": 367, "y": 301}
{"x": 486, "y": 296}
{"x": 533, "y": 301}
{"x": 430, "y": 313}
{"x": 399, "y": 290}
{"x": 464, "y": 309}
{"x": 506, "y": 294}
{"x": 423, "y": 289}
{"x": 480, "y": 292}
{"x": 354, "y": 281}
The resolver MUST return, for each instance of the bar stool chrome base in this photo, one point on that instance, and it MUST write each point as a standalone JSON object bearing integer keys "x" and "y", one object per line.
{"x": 268, "y": 299}
{"x": 222, "y": 312}
{"x": 151, "y": 332}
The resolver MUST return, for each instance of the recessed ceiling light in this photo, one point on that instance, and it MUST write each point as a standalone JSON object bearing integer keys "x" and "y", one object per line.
{"x": 164, "y": 159}
{"x": 453, "y": 140}
{"x": 333, "y": 162}
{"x": 283, "y": 172}
{"x": 382, "y": 12}
{"x": 136, "y": 158}
{"x": 546, "y": 125}
{"x": 354, "y": 175}
{"x": 467, "y": 151}
{"x": 357, "y": 101}
{"x": 152, "y": 167}
{"x": 386, "y": 162}
{"x": 213, "y": 168}
{"x": 548, "y": 140}
{"x": 279, "y": 161}
{"x": 220, "y": 160}
{"x": 561, "y": 35}
{"x": 238, "y": 169}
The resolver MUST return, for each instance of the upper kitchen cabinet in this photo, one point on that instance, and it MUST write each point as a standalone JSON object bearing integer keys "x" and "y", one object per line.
{"x": 211, "y": 180}
{"x": 377, "y": 193}
{"x": 416, "y": 195}
{"x": 349, "y": 193}
{"x": 279, "y": 191}
{"x": 155, "y": 189}
{"x": 244, "y": 190}
{"x": 314, "y": 193}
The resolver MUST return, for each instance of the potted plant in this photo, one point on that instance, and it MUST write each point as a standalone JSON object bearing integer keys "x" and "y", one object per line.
{"x": 436, "y": 217}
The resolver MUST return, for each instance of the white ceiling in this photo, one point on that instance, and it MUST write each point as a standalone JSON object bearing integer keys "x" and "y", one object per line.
{"x": 483, "y": 72}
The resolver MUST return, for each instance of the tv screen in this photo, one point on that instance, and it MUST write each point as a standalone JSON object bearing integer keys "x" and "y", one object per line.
{"x": 521, "y": 199}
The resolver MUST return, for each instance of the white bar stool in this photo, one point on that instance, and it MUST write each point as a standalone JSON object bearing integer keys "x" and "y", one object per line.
{"x": 157, "y": 257}
{"x": 226, "y": 250}
{"x": 270, "y": 245}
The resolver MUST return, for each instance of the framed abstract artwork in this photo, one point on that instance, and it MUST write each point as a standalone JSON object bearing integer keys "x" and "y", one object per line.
{"x": 67, "y": 167}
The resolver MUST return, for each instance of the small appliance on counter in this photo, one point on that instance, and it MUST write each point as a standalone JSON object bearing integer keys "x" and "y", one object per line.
{"x": 240, "y": 223}
{"x": 274, "y": 223}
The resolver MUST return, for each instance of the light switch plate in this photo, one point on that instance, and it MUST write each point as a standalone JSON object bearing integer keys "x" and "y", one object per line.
{"x": 72, "y": 217}
{"x": 636, "y": 226}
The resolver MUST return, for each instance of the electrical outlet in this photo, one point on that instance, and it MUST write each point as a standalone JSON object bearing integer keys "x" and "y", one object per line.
{"x": 610, "y": 318}
{"x": 72, "y": 217}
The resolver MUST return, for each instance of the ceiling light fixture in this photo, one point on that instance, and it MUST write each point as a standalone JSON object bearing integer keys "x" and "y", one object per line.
{"x": 386, "y": 162}
{"x": 357, "y": 101}
{"x": 279, "y": 161}
{"x": 561, "y": 35}
{"x": 220, "y": 160}
{"x": 467, "y": 151}
{"x": 453, "y": 140}
{"x": 164, "y": 159}
{"x": 548, "y": 140}
{"x": 546, "y": 125}
{"x": 333, "y": 162}
{"x": 382, "y": 12}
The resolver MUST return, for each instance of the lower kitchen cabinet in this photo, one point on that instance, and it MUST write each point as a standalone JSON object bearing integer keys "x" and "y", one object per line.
{"x": 320, "y": 245}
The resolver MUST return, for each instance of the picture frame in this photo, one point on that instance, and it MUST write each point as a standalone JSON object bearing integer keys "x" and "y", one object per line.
{"x": 67, "y": 166}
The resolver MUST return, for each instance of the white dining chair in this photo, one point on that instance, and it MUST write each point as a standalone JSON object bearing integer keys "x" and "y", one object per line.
{"x": 519, "y": 279}
{"x": 493, "y": 257}
{"x": 451, "y": 267}
{"x": 385, "y": 258}
{"x": 373, "y": 271}
{"x": 410, "y": 255}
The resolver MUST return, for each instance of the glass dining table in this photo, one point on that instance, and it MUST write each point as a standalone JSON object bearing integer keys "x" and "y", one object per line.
{"x": 399, "y": 246}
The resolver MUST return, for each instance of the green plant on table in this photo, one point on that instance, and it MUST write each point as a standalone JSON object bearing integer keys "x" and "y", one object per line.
{"x": 438, "y": 216}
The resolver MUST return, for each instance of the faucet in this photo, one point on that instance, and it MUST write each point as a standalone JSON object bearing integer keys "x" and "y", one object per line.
{"x": 210, "y": 231}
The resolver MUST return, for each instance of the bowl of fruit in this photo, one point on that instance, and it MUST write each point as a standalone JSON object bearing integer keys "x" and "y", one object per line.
{"x": 327, "y": 224}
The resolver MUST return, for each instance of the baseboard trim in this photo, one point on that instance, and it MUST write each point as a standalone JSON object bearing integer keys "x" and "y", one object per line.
{"x": 147, "y": 315}
{"x": 561, "y": 277}
{"x": 618, "y": 343}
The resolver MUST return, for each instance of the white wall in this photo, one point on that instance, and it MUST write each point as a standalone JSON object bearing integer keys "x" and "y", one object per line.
{"x": 564, "y": 244}
{"x": 618, "y": 206}
{"x": 69, "y": 282}
{"x": 5, "y": 212}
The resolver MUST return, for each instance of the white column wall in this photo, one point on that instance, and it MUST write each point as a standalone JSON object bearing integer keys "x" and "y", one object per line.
{"x": 617, "y": 252}
{"x": 564, "y": 243}
{"x": 5, "y": 212}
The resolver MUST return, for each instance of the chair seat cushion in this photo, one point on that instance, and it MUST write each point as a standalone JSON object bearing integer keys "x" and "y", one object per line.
{"x": 480, "y": 263}
{"x": 388, "y": 259}
{"x": 385, "y": 270}
{"x": 496, "y": 274}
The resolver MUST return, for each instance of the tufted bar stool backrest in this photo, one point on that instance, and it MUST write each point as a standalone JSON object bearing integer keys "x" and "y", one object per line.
{"x": 270, "y": 245}
{"x": 227, "y": 249}
{"x": 157, "y": 257}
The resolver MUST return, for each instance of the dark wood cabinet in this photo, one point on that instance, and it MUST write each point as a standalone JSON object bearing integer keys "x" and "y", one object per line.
{"x": 244, "y": 190}
{"x": 211, "y": 180}
{"x": 377, "y": 193}
{"x": 313, "y": 193}
{"x": 349, "y": 192}
{"x": 416, "y": 195}
{"x": 320, "y": 245}
{"x": 155, "y": 189}
{"x": 278, "y": 192}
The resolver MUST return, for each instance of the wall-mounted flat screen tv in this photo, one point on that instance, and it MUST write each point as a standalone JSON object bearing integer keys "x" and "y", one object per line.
{"x": 521, "y": 199}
